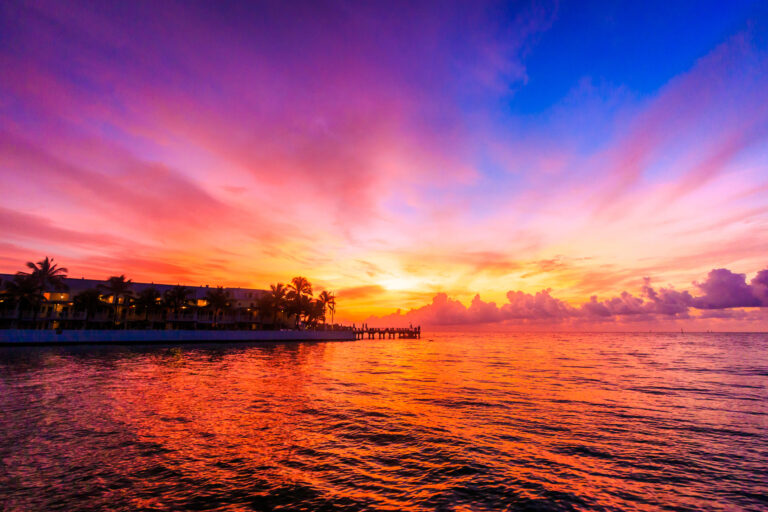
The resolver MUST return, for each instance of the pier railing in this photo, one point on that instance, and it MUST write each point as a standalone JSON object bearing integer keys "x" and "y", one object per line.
{"x": 388, "y": 333}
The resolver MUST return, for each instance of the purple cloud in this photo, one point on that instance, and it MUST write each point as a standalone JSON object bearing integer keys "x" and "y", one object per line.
{"x": 760, "y": 287}
{"x": 539, "y": 306}
{"x": 722, "y": 290}
{"x": 725, "y": 289}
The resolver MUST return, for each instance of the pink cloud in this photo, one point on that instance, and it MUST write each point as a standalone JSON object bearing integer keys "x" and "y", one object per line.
{"x": 134, "y": 192}
{"x": 321, "y": 116}
{"x": 721, "y": 290}
{"x": 540, "y": 305}
{"x": 18, "y": 225}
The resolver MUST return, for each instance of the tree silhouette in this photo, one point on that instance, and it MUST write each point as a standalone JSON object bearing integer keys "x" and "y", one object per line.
{"x": 277, "y": 302}
{"x": 25, "y": 292}
{"x": 218, "y": 300}
{"x": 314, "y": 311}
{"x": 332, "y": 306}
{"x": 177, "y": 298}
{"x": 328, "y": 301}
{"x": 117, "y": 287}
{"x": 147, "y": 301}
{"x": 300, "y": 289}
{"x": 47, "y": 275}
{"x": 299, "y": 306}
{"x": 88, "y": 301}
{"x": 299, "y": 286}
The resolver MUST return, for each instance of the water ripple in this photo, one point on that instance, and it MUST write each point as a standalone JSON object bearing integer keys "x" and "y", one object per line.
{"x": 453, "y": 422}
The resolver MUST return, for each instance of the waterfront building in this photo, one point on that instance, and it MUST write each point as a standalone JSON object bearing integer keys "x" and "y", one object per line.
{"x": 58, "y": 309}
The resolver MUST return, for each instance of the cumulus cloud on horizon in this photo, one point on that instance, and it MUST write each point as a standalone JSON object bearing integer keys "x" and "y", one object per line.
{"x": 720, "y": 296}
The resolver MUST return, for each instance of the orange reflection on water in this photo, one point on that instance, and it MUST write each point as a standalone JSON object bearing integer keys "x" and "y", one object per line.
{"x": 458, "y": 421}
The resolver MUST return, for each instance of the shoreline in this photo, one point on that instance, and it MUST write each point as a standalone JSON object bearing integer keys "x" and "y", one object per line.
{"x": 108, "y": 337}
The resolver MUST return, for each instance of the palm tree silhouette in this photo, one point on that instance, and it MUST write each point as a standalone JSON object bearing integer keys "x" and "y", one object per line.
{"x": 176, "y": 299}
{"x": 117, "y": 287}
{"x": 328, "y": 300}
{"x": 332, "y": 305}
{"x": 300, "y": 286}
{"x": 147, "y": 301}
{"x": 300, "y": 306}
{"x": 299, "y": 289}
{"x": 25, "y": 291}
{"x": 218, "y": 300}
{"x": 88, "y": 301}
{"x": 277, "y": 294}
{"x": 314, "y": 311}
{"x": 47, "y": 275}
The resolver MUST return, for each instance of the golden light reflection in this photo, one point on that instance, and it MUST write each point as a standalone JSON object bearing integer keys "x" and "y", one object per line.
{"x": 402, "y": 422}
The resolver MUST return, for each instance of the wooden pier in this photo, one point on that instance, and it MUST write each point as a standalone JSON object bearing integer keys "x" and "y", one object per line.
{"x": 388, "y": 333}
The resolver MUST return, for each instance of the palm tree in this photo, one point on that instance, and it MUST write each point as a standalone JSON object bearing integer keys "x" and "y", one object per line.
{"x": 47, "y": 274}
{"x": 88, "y": 301}
{"x": 218, "y": 300}
{"x": 147, "y": 301}
{"x": 314, "y": 310}
{"x": 177, "y": 298}
{"x": 299, "y": 289}
{"x": 117, "y": 287}
{"x": 328, "y": 300}
{"x": 277, "y": 295}
{"x": 300, "y": 286}
{"x": 25, "y": 291}
{"x": 293, "y": 309}
{"x": 299, "y": 306}
{"x": 332, "y": 306}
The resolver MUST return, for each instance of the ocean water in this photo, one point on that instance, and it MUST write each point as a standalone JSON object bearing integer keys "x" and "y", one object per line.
{"x": 448, "y": 422}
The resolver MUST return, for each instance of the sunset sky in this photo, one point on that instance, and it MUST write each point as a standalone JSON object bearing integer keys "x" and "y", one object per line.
{"x": 573, "y": 163}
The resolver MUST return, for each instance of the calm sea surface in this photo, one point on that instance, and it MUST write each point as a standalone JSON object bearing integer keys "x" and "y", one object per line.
{"x": 449, "y": 422}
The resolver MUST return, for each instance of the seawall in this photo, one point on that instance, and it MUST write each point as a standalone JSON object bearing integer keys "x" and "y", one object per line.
{"x": 68, "y": 337}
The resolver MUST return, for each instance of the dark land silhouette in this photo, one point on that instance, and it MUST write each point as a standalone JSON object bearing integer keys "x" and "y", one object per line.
{"x": 43, "y": 297}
